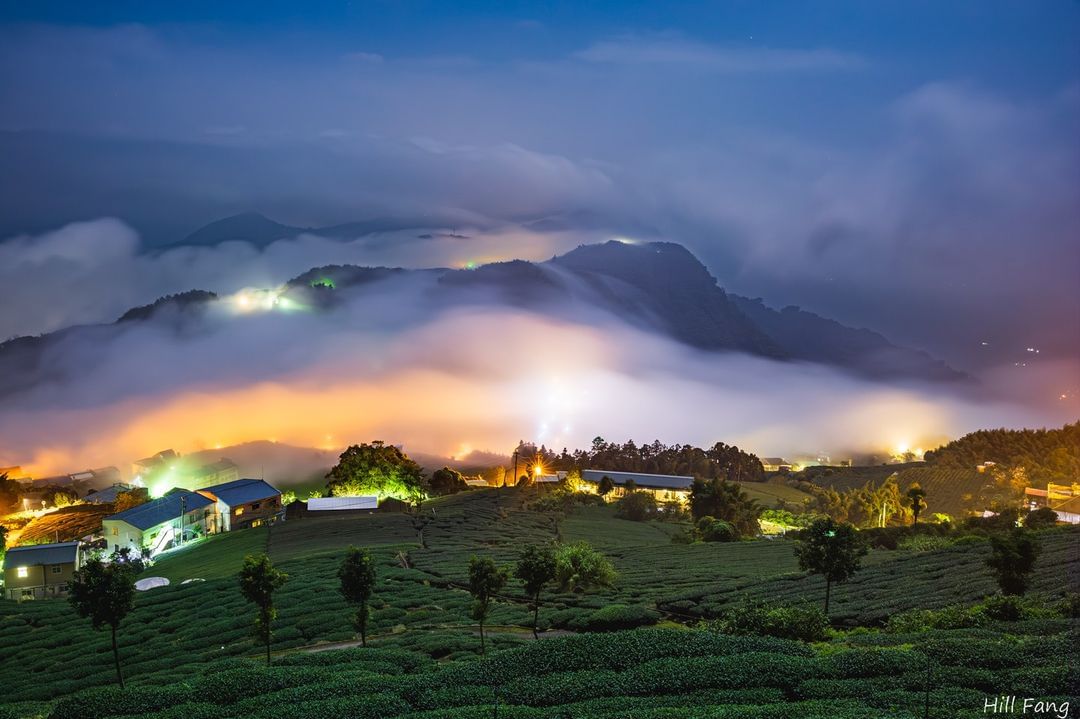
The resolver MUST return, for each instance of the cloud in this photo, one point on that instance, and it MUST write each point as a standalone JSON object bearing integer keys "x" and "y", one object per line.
{"x": 687, "y": 54}
{"x": 92, "y": 272}
{"x": 393, "y": 363}
{"x": 939, "y": 212}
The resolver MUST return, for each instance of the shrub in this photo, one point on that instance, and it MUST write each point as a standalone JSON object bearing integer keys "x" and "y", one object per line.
{"x": 1041, "y": 518}
{"x": 637, "y": 507}
{"x": 113, "y": 701}
{"x": 923, "y": 543}
{"x": 921, "y": 620}
{"x": 875, "y": 662}
{"x": 1070, "y": 606}
{"x": 803, "y": 622}
{"x": 370, "y": 706}
{"x": 231, "y": 685}
{"x": 711, "y": 529}
{"x": 614, "y": 617}
{"x": 579, "y": 567}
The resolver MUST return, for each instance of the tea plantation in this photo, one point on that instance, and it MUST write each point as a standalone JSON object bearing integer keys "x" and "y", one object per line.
{"x": 187, "y": 647}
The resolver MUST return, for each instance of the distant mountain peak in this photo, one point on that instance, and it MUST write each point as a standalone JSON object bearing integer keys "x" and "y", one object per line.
{"x": 245, "y": 227}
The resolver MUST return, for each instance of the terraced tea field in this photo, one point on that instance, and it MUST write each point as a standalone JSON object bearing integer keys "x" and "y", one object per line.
{"x": 182, "y": 631}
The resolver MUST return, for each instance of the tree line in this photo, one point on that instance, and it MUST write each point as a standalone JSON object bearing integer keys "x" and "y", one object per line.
{"x": 1046, "y": 455}
{"x": 719, "y": 461}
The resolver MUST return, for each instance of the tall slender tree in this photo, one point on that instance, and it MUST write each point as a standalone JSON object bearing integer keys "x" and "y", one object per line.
{"x": 535, "y": 569}
{"x": 259, "y": 579}
{"x": 104, "y": 593}
{"x": 485, "y": 581}
{"x": 357, "y": 575}
{"x": 916, "y": 496}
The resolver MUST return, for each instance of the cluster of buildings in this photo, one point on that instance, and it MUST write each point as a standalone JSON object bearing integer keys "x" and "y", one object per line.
{"x": 1064, "y": 499}
{"x": 178, "y": 516}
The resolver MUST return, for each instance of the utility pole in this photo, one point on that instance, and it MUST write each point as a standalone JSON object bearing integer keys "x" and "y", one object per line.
{"x": 515, "y": 477}
{"x": 183, "y": 506}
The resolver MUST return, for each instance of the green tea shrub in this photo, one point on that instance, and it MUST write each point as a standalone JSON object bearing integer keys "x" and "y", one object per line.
{"x": 190, "y": 710}
{"x": 113, "y": 701}
{"x": 615, "y": 617}
{"x": 371, "y": 706}
{"x": 804, "y": 622}
{"x": 861, "y": 663}
{"x": 231, "y": 685}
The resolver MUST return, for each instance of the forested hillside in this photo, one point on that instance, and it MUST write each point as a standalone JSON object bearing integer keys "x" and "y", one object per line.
{"x": 1046, "y": 455}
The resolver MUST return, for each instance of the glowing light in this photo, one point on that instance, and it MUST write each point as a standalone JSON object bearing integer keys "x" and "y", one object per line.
{"x": 538, "y": 469}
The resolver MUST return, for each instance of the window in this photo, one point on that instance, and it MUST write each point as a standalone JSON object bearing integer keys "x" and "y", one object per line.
{"x": 28, "y": 592}
{"x": 56, "y": 569}
{"x": 116, "y": 531}
{"x": 254, "y": 505}
{"x": 239, "y": 511}
{"x": 22, "y": 572}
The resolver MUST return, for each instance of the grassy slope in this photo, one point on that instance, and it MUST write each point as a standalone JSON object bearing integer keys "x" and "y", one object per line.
{"x": 174, "y": 631}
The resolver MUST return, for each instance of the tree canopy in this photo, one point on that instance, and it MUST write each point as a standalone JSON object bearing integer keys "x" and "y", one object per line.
{"x": 259, "y": 579}
{"x": 579, "y": 567}
{"x": 726, "y": 501}
{"x": 1047, "y": 455}
{"x": 104, "y": 593}
{"x": 720, "y": 460}
{"x": 447, "y": 481}
{"x": 536, "y": 569}
{"x": 831, "y": 549}
{"x": 485, "y": 581}
{"x": 376, "y": 468}
{"x": 357, "y": 576}
{"x": 1012, "y": 560}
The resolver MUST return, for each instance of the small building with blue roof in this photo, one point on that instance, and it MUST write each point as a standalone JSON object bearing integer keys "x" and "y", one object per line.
{"x": 245, "y": 503}
{"x": 161, "y": 523}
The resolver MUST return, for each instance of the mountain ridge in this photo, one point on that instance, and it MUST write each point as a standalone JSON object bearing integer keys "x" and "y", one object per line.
{"x": 657, "y": 287}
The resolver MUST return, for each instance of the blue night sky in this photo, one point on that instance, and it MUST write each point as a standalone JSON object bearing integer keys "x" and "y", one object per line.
{"x": 908, "y": 166}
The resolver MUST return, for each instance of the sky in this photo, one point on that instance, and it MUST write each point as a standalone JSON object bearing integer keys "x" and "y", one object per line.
{"x": 911, "y": 167}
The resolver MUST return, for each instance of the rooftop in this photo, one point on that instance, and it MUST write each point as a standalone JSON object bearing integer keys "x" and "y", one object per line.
{"x": 649, "y": 481}
{"x": 241, "y": 491}
{"x": 41, "y": 554}
{"x": 215, "y": 467}
{"x": 162, "y": 509}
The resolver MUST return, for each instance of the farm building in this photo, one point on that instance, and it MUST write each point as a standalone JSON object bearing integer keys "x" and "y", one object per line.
{"x": 214, "y": 474}
{"x": 1068, "y": 511}
{"x": 155, "y": 462}
{"x": 159, "y": 523}
{"x": 40, "y": 570}
{"x": 775, "y": 464}
{"x": 107, "y": 495}
{"x": 245, "y": 503}
{"x": 665, "y": 487}
{"x": 332, "y": 504}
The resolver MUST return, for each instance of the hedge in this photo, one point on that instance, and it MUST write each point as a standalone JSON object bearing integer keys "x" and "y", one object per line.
{"x": 100, "y": 702}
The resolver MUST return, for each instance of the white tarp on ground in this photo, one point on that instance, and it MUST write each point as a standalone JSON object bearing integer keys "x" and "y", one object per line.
{"x": 321, "y": 504}
{"x": 151, "y": 583}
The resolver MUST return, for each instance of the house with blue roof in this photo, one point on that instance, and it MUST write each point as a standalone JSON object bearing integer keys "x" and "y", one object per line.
{"x": 245, "y": 503}
{"x": 162, "y": 523}
{"x": 39, "y": 571}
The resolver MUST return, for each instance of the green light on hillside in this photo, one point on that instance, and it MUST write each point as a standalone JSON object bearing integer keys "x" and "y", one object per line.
{"x": 323, "y": 282}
